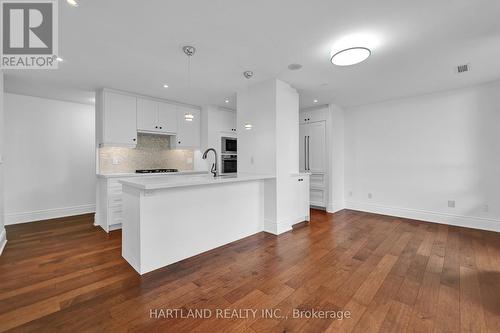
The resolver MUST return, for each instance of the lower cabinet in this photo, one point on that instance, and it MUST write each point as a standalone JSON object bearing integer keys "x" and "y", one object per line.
{"x": 302, "y": 198}
{"x": 109, "y": 204}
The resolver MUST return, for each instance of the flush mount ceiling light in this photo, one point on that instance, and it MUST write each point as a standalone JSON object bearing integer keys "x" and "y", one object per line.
{"x": 188, "y": 117}
{"x": 350, "y": 56}
{"x": 72, "y": 3}
{"x": 165, "y": 86}
{"x": 248, "y": 126}
{"x": 315, "y": 101}
{"x": 226, "y": 100}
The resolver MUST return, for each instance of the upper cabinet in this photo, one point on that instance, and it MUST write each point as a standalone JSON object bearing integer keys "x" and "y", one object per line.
{"x": 147, "y": 115}
{"x": 116, "y": 119}
{"x": 227, "y": 120}
{"x": 188, "y": 128}
{"x": 120, "y": 116}
{"x": 167, "y": 117}
{"x": 156, "y": 117}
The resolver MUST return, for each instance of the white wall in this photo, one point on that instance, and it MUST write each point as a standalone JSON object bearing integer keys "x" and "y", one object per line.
{"x": 415, "y": 154}
{"x": 336, "y": 164}
{"x": 257, "y": 147}
{"x": 271, "y": 146}
{"x": 49, "y": 158}
{"x": 3, "y": 235}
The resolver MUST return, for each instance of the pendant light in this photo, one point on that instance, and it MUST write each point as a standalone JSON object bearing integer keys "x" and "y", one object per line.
{"x": 189, "y": 51}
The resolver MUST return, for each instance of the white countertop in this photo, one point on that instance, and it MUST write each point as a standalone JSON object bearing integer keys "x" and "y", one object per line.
{"x": 133, "y": 174}
{"x": 156, "y": 183}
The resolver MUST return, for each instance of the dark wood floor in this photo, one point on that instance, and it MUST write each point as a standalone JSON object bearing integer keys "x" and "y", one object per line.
{"x": 393, "y": 275}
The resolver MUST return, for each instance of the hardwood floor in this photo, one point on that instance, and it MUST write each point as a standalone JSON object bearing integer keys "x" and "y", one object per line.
{"x": 391, "y": 274}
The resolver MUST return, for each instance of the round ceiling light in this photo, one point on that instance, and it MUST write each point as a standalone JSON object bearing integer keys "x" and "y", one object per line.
{"x": 350, "y": 56}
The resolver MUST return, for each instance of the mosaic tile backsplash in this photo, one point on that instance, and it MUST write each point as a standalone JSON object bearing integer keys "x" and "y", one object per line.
{"x": 152, "y": 152}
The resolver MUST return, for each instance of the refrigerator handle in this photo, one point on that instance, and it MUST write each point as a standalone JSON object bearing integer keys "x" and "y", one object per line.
{"x": 308, "y": 166}
{"x": 305, "y": 152}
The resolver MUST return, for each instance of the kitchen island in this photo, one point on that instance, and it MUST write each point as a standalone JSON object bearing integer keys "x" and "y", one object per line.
{"x": 168, "y": 219}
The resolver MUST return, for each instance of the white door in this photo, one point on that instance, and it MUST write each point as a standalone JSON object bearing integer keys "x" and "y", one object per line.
{"x": 167, "y": 118}
{"x": 188, "y": 128}
{"x": 120, "y": 119}
{"x": 316, "y": 152}
{"x": 303, "y": 130}
{"x": 147, "y": 115}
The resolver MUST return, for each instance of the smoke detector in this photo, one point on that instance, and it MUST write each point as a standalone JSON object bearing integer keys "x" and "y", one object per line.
{"x": 463, "y": 68}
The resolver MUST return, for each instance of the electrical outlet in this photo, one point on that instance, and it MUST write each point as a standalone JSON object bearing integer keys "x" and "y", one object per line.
{"x": 115, "y": 161}
{"x": 370, "y": 195}
{"x": 451, "y": 203}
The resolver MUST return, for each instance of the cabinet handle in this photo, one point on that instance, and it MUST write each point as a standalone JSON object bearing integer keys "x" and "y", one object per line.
{"x": 156, "y": 126}
{"x": 178, "y": 142}
{"x": 161, "y": 127}
{"x": 134, "y": 139}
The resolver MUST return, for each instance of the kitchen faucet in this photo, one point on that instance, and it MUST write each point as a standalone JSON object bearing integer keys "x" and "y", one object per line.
{"x": 214, "y": 169}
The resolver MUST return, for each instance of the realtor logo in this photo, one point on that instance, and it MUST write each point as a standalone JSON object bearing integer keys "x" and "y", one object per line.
{"x": 29, "y": 34}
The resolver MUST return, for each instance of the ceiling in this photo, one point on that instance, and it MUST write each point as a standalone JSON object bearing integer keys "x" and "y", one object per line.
{"x": 136, "y": 46}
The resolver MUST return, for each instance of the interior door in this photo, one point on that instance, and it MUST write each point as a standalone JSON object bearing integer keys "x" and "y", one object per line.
{"x": 303, "y": 130}
{"x": 147, "y": 115}
{"x": 167, "y": 118}
{"x": 316, "y": 151}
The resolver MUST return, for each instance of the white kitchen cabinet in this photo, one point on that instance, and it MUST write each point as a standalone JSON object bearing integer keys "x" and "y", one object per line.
{"x": 109, "y": 204}
{"x": 117, "y": 119}
{"x": 188, "y": 128}
{"x": 147, "y": 115}
{"x": 227, "y": 121}
{"x": 302, "y": 197}
{"x": 167, "y": 117}
{"x": 156, "y": 117}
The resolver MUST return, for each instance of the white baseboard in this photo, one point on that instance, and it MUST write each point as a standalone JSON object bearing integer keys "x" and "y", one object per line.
{"x": 3, "y": 240}
{"x": 334, "y": 207}
{"x": 46, "y": 214}
{"x": 428, "y": 216}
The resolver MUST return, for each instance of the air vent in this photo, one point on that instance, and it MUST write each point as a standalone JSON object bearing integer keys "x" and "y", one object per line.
{"x": 463, "y": 68}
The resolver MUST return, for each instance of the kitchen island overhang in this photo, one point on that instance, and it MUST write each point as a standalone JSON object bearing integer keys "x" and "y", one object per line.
{"x": 167, "y": 219}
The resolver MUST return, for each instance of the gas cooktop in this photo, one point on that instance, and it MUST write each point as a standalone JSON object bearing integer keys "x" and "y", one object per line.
{"x": 156, "y": 170}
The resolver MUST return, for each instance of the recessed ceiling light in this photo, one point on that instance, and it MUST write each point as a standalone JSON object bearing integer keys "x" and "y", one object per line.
{"x": 350, "y": 56}
{"x": 294, "y": 67}
{"x": 315, "y": 101}
{"x": 226, "y": 100}
{"x": 72, "y": 3}
{"x": 59, "y": 59}
{"x": 165, "y": 86}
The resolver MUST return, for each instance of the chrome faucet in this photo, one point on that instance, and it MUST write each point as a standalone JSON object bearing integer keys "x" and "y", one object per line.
{"x": 214, "y": 169}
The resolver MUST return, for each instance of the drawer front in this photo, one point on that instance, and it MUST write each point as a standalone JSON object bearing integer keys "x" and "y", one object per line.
{"x": 318, "y": 180}
{"x": 114, "y": 199}
{"x": 317, "y": 197}
{"x": 115, "y": 215}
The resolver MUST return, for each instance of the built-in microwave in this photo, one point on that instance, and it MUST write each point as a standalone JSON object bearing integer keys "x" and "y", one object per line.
{"x": 228, "y": 145}
{"x": 228, "y": 164}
